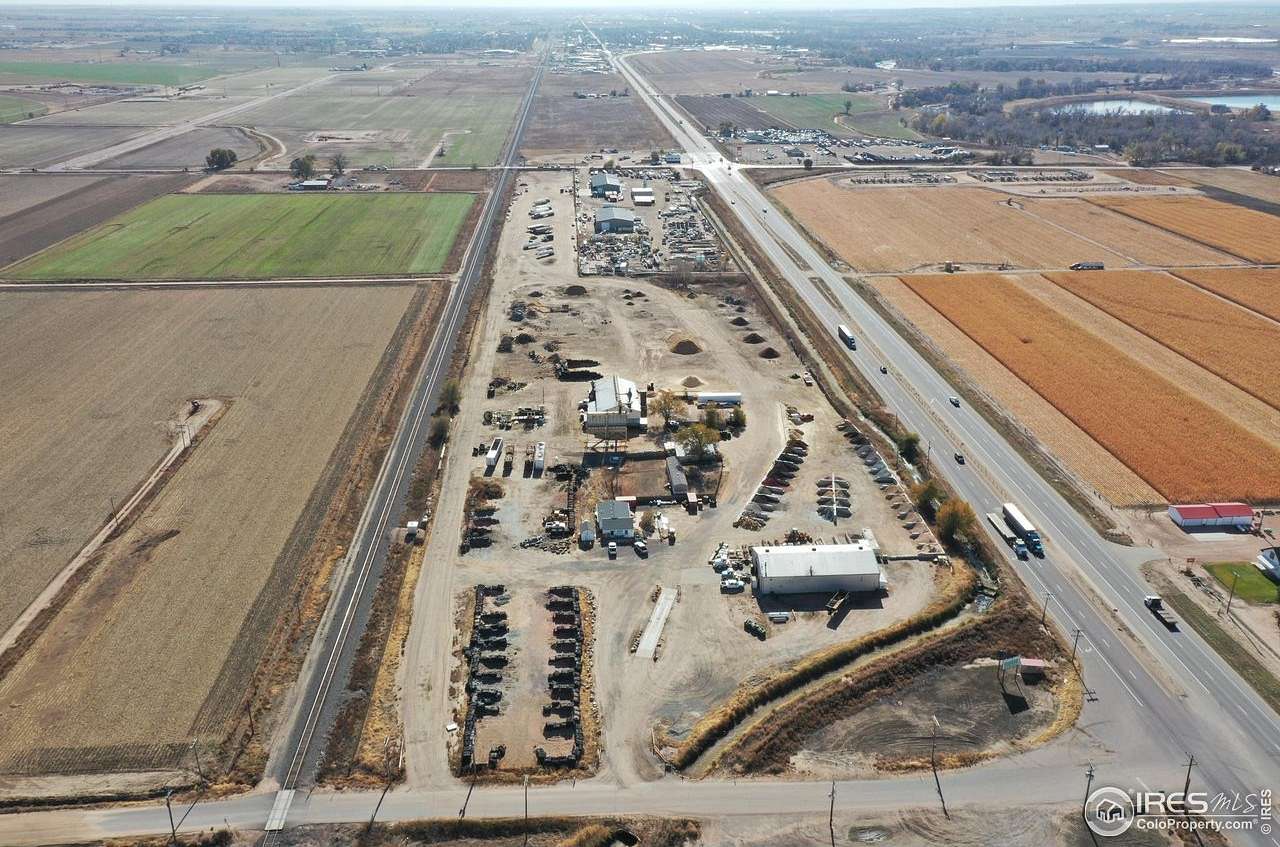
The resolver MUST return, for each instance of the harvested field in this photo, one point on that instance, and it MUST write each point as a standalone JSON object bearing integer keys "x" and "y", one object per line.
{"x": 1235, "y": 344}
{"x": 123, "y": 72}
{"x": 38, "y": 146}
{"x": 187, "y": 150}
{"x": 261, "y": 236}
{"x": 153, "y": 111}
{"x": 1260, "y": 186}
{"x": 923, "y": 227}
{"x": 705, "y": 71}
{"x": 66, "y": 205}
{"x": 559, "y": 122}
{"x": 1137, "y": 242}
{"x": 1253, "y": 288}
{"x": 1144, "y": 176}
{"x": 19, "y": 108}
{"x": 183, "y": 599}
{"x": 1251, "y": 235}
{"x": 710, "y": 111}
{"x": 1152, "y": 425}
{"x": 1066, "y": 441}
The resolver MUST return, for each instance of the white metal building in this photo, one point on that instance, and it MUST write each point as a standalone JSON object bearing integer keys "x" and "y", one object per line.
{"x": 615, "y": 520}
{"x": 1231, "y": 515}
{"x": 812, "y": 568}
{"x": 613, "y": 407}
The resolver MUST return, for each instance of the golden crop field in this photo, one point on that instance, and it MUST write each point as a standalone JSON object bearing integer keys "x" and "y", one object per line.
{"x": 159, "y": 642}
{"x": 1251, "y": 235}
{"x": 1222, "y": 338}
{"x": 1253, "y": 288}
{"x": 904, "y": 229}
{"x": 1249, "y": 183}
{"x": 1182, "y": 447}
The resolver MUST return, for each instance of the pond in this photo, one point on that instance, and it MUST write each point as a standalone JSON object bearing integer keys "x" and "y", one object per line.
{"x": 1104, "y": 107}
{"x": 1241, "y": 101}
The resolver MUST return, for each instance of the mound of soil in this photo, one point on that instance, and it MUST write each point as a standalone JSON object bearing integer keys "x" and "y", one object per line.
{"x": 685, "y": 347}
{"x": 769, "y": 353}
{"x": 753, "y": 338}
{"x": 576, "y": 290}
{"x": 739, "y": 321}
{"x": 691, "y": 382}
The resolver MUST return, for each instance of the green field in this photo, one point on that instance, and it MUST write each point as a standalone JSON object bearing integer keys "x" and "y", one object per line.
{"x": 126, "y": 73}
{"x": 258, "y": 236}
{"x": 18, "y": 109}
{"x": 882, "y": 124}
{"x": 815, "y": 111}
{"x": 1252, "y": 584}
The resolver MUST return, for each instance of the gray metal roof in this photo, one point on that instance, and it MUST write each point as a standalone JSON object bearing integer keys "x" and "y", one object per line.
{"x": 612, "y": 510}
{"x": 615, "y": 213}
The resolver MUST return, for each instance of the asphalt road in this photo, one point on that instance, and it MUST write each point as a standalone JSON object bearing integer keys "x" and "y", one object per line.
{"x": 318, "y": 694}
{"x": 1211, "y": 711}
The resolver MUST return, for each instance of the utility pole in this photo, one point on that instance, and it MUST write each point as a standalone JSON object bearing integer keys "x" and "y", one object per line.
{"x": 1088, "y": 786}
{"x": 526, "y": 810}
{"x": 831, "y": 815}
{"x": 1234, "y": 577}
{"x": 195, "y": 748}
{"x": 1074, "y": 642}
{"x": 1044, "y": 613}
{"x": 173, "y": 830}
{"x": 933, "y": 762}
{"x": 1186, "y": 786}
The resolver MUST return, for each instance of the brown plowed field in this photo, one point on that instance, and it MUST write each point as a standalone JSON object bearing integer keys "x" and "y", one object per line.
{"x": 65, "y": 213}
{"x": 181, "y": 602}
{"x": 1253, "y": 288}
{"x": 1235, "y": 344}
{"x": 1243, "y": 232}
{"x": 562, "y": 123}
{"x": 1182, "y": 447}
{"x": 710, "y": 111}
{"x": 1066, "y": 441}
{"x": 903, "y": 229}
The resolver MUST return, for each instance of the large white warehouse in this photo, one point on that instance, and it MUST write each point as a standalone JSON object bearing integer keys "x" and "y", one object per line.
{"x": 813, "y": 568}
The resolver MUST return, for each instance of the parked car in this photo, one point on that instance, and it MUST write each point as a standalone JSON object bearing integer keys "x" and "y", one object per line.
{"x": 642, "y": 549}
{"x": 731, "y": 586}
{"x": 755, "y": 629}
{"x": 613, "y": 549}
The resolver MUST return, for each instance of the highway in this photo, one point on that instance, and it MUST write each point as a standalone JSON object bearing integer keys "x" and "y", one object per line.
{"x": 1211, "y": 711}
{"x": 318, "y": 694}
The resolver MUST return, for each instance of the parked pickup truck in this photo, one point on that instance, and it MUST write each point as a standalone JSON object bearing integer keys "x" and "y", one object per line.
{"x": 1156, "y": 605}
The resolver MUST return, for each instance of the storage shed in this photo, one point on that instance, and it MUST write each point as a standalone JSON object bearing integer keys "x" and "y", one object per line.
{"x": 676, "y": 479}
{"x": 603, "y": 184}
{"x": 817, "y": 568}
{"x": 1199, "y": 515}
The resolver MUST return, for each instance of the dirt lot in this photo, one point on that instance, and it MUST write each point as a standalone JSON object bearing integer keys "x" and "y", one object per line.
{"x": 631, "y": 327}
{"x": 183, "y": 597}
{"x": 561, "y": 123}
{"x": 59, "y": 213}
{"x": 919, "y": 228}
{"x": 975, "y": 714}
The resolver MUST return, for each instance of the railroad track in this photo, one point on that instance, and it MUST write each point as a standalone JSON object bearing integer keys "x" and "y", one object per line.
{"x": 334, "y": 647}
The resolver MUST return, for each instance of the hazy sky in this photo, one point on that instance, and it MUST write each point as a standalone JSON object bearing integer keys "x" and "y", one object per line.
{"x": 718, "y": 5}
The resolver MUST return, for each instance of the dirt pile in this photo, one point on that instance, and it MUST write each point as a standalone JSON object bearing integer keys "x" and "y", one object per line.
{"x": 753, "y": 338}
{"x": 691, "y": 382}
{"x": 576, "y": 291}
{"x": 685, "y": 347}
{"x": 739, "y": 321}
{"x": 769, "y": 353}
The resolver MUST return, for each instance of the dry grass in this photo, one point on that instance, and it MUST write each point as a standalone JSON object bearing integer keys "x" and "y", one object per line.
{"x": 171, "y": 602}
{"x": 901, "y": 229}
{"x": 1253, "y": 288}
{"x": 1233, "y": 343}
{"x": 1071, "y": 445}
{"x": 1152, "y": 425}
{"x": 1242, "y": 232}
{"x": 1249, "y": 183}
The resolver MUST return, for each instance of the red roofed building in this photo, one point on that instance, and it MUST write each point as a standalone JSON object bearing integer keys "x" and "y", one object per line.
{"x": 1226, "y": 515}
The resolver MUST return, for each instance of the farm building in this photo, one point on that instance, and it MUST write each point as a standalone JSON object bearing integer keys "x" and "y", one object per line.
{"x": 809, "y": 568}
{"x": 615, "y": 520}
{"x": 642, "y": 196}
{"x": 613, "y": 407}
{"x": 1230, "y": 515}
{"x": 603, "y": 184}
{"x": 615, "y": 219}
{"x": 319, "y": 184}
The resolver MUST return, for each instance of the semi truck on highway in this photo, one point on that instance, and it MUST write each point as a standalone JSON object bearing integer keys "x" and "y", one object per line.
{"x": 1002, "y": 529}
{"x": 1156, "y": 604}
{"x": 1023, "y": 529}
{"x": 847, "y": 337}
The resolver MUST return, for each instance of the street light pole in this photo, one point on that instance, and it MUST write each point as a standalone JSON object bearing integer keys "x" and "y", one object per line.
{"x": 1044, "y": 613}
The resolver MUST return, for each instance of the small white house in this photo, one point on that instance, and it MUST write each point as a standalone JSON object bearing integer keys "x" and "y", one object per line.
{"x": 615, "y": 520}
